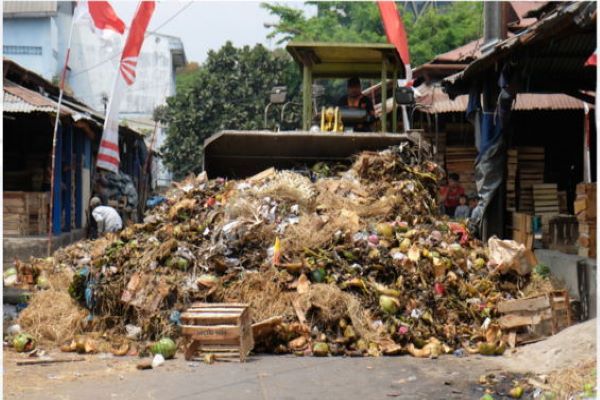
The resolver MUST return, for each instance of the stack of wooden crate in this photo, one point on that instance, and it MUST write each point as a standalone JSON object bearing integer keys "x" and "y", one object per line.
{"x": 585, "y": 209}
{"x": 25, "y": 213}
{"x": 545, "y": 199}
{"x": 461, "y": 161}
{"x": 545, "y": 204}
{"x": 530, "y": 170}
{"x": 511, "y": 180}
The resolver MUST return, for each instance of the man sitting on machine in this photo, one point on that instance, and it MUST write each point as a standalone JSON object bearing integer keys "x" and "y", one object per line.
{"x": 355, "y": 99}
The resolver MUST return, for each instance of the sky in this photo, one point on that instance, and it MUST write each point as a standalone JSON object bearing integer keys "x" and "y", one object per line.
{"x": 207, "y": 25}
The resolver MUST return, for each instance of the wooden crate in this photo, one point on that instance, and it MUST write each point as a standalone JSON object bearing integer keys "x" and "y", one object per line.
{"x": 221, "y": 329}
{"x": 585, "y": 202}
{"x": 25, "y": 213}
{"x": 587, "y": 239}
{"x": 563, "y": 234}
{"x": 534, "y": 318}
{"x": 522, "y": 231}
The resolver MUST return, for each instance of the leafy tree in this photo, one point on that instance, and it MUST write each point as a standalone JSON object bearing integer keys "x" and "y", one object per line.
{"x": 437, "y": 30}
{"x": 229, "y": 91}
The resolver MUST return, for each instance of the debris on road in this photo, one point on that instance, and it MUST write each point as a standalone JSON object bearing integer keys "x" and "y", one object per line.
{"x": 42, "y": 361}
{"x": 359, "y": 263}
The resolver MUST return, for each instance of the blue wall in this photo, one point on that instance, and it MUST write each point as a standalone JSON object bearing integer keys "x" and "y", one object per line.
{"x": 36, "y": 32}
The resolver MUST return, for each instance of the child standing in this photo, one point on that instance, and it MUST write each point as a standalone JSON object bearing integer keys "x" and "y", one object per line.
{"x": 462, "y": 211}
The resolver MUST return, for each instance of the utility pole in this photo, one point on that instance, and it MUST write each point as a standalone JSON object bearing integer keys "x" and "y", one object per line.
{"x": 495, "y": 30}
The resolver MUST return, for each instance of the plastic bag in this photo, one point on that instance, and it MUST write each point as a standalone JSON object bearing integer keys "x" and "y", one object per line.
{"x": 506, "y": 255}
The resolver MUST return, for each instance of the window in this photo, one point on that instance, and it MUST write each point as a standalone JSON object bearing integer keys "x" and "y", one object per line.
{"x": 26, "y": 50}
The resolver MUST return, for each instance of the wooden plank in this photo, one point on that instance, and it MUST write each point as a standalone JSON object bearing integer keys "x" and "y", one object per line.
{"x": 512, "y": 321}
{"x": 211, "y": 319}
{"x": 48, "y": 361}
{"x": 531, "y": 304}
{"x": 216, "y": 310}
{"x": 219, "y": 305}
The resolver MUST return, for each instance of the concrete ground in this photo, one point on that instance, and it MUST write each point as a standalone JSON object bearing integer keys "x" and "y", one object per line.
{"x": 264, "y": 377}
{"x": 285, "y": 377}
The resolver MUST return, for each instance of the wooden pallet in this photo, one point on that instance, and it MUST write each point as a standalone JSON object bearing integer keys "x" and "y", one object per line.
{"x": 531, "y": 319}
{"x": 221, "y": 329}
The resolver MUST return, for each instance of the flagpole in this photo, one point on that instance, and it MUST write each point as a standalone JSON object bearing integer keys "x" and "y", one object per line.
{"x": 54, "y": 135}
{"x": 587, "y": 170}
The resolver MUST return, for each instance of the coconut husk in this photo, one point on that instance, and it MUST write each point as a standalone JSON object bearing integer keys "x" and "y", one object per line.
{"x": 52, "y": 316}
{"x": 287, "y": 185}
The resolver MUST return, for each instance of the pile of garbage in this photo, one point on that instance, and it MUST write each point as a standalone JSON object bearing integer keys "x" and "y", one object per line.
{"x": 357, "y": 263}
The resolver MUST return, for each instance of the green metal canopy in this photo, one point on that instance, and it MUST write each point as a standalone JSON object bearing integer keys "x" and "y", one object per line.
{"x": 345, "y": 60}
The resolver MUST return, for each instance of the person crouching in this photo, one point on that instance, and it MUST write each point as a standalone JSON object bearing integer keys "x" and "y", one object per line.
{"x": 107, "y": 218}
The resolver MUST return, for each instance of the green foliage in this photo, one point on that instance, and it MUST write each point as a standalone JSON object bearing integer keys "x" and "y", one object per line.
{"x": 186, "y": 75}
{"x": 438, "y": 30}
{"x": 229, "y": 91}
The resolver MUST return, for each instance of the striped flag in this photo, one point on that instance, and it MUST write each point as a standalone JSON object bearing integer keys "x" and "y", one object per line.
{"x": 108, "y": 154}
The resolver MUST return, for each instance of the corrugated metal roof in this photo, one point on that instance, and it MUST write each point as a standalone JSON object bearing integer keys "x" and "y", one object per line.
{"x": 28, "y": 8}
{"x": 434, "y": 100}
{"x": 14, "y": 104}
{"x": 552, "y": 50}
{"x": 23, "y": 100}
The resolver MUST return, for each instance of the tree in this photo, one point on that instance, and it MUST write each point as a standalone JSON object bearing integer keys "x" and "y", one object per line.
{"x": 229, "y": 91}
{"x": 438, "y": 30}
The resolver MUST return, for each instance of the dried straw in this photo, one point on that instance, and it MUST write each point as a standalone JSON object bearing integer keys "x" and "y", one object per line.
{"x": 313, "y": 232}
{"x": 333, "y": 304}
{"x": 52, "y": 316}
{"x": 568, "y": 382}
{"x": 265, "y": 293}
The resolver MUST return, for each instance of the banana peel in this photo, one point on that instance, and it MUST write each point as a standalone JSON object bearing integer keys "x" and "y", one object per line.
{"x": 432, "y": 349}
{"x": 354, "y": 283}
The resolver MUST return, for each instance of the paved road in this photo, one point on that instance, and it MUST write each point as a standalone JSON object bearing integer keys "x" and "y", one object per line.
{"x": 265, "y": 377}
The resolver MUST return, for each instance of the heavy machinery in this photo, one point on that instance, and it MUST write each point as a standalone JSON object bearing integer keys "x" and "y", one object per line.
{"x": 238, "y": 154}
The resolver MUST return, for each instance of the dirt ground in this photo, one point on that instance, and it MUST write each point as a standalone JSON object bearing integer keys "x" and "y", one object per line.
{"x": 289, "y": 377}
{"x": 568, "y": 348}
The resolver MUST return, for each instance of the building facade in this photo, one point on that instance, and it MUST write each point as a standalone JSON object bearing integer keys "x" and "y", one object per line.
{"x": 36, "y": 33}
{"x": 36, "y": 37}
{"x": 93, "y": 69}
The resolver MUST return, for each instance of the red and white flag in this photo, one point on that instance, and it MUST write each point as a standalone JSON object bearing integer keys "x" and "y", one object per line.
{"x": 592, "y": 61}
{"x": 395, "y": 32}
{"x": 100, "y": 16}
{"x": 108, "y": 154}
